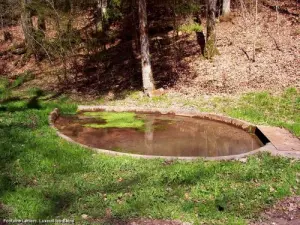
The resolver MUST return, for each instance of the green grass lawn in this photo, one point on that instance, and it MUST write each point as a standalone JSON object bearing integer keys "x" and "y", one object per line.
{"x": 43, "y": 176}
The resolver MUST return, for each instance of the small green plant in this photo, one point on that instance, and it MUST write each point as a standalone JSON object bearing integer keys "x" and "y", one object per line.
{"x": 189, "y": 28}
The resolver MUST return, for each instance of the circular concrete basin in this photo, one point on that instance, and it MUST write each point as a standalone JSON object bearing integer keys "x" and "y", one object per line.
{"x": 158, "y": 133}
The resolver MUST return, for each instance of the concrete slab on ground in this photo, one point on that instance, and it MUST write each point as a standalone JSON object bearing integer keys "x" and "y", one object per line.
{"x": 282, "y": 139}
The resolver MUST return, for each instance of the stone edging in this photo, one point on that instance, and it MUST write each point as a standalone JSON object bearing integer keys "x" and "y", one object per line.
{"x": 269, "y": 147}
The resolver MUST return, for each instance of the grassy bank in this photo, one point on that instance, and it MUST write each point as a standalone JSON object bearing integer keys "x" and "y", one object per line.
{"x": 262, "y": 108}
{"x": 43, "y": 176}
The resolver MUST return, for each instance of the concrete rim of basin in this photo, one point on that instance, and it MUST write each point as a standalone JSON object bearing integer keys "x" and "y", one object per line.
{"x": 248, "y": 127}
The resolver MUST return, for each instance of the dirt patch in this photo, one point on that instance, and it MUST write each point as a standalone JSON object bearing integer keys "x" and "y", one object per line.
{"x": 285, "y": 212}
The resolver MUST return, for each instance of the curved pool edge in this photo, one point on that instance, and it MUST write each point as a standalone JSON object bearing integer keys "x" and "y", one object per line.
{"x": 268, "y": 147}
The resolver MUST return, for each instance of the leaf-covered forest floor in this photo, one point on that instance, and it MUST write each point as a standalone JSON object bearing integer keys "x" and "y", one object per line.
{"x": 177, "y": 63}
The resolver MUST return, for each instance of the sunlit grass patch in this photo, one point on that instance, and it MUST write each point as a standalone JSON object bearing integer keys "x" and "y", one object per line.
{"x": 44, "y": 177}
{"x": 264, "y": 108}
{"x": 191, "y": 27}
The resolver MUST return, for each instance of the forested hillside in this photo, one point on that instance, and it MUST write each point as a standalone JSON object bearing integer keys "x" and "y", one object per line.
{"x": 94, "y": 47}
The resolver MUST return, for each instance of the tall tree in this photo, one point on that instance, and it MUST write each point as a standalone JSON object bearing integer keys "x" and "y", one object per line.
{"x": 135, "y": 27}
{"x": 101, "y": 20}
{"x": 199, "y": 33}
{"x": 226, "y": 7}
{"x": 148, "y": 82}
{"x": 210, "y": 47}
{"x": 27, "y": 26}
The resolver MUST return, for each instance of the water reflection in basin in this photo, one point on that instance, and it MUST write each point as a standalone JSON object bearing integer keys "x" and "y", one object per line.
{"x": 161, "y": 135}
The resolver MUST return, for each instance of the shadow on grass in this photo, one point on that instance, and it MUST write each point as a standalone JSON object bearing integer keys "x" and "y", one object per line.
{"x": 31, "y": 103}
{"x": 67, "y": 180}
{"x": 12, "y": 132}
{"x": 17, "y": 147}
{"x": 59, "y": 202}
{"x": 7, "y": 158}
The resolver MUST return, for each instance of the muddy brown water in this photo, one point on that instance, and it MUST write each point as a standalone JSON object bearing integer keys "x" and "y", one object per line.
{"x": 164, "y": 135}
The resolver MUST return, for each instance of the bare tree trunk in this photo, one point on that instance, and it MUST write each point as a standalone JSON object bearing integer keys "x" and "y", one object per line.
{"x": 210, "y": 47}
{"x": 148, "y": 82}
{"x": 1, "y": 16}
{"x": 226, "y": 7}
{"x": 135, "y": 43}
{"x": 33, "y": 38}
{"x": 27, "y": 27}
{"x": 149, "y": 135}
{"x": 255, "y": 34}
{"x": 200, "y": 34}
{"x": 135, "y": 25}
{"x": 101, "y": 22}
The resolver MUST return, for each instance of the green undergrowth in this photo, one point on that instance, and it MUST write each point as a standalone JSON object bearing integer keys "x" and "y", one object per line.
{"x": 44, "y": 177}
{"x": 191, "y": 27}
{"x": 116, "y": 120}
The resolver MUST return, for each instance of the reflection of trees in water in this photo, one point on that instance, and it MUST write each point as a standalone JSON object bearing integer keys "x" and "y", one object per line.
{"x": 225, "y": 149}
{"x": 149, "y": 134}
{"x": 177, "y": 137}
